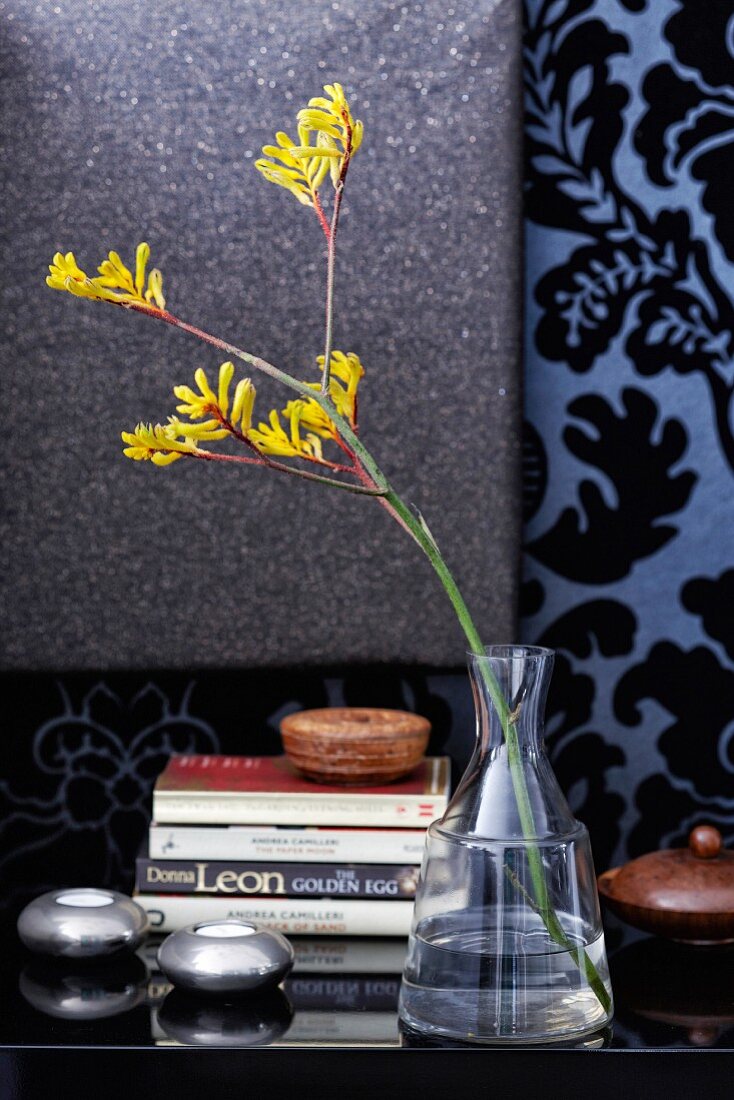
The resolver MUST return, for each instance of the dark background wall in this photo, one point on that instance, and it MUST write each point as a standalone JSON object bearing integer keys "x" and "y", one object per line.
{"x": 136, "y": 121}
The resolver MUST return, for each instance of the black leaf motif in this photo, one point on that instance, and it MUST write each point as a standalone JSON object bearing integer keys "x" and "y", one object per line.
{"x": 713, "y": 600}
{"x": 703, "y": 44}
{"x": 570, "y": 699}
{"x": 585, "y": 299}
{"x": 670, "y": 98}
{"x": 609, "y": 622}
{"x": 600, "y": 542}
{"x": 689, "y": 125}
{"x": 667, "y": 813}
{"x": 573, "y": 120}
{"x": 582, "y": 766}
{"x": 698, "y": 693}
{"x": 532, "y": 598}
{"x": 676, "y": 329}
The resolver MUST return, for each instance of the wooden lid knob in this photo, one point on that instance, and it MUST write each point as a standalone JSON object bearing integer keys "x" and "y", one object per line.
{"x": 705, "y": 842}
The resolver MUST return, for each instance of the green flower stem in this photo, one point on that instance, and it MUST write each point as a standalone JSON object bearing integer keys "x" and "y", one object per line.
{"x": 406, "y": 517}
{"x": 535, "y": 861}
{"x": 330, "y": 262}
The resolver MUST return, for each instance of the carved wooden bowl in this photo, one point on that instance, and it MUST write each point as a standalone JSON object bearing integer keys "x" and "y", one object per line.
{"x": 355, "y": 745}
{"x": 684, "y": 894}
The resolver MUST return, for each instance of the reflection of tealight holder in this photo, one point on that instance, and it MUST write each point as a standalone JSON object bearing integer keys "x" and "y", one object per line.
{"x": 244, "y": 1022}
{"x": 95, "y": 991}
{"x": 225, "y": 958}
{"x": 82, "y": 923}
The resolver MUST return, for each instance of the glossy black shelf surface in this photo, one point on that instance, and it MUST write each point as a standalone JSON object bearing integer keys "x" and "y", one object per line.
{"x": 331, "y": 1032}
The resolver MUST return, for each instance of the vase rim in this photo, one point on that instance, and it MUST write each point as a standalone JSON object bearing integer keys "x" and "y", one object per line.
{"x": 512, "y": 652}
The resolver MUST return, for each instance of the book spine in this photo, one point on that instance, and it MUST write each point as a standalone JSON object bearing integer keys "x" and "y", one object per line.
{"x": 324, "y": 917}
{"x": 287, "y": 845}
{"x": 315, "y": 880}
{"x": 254, "y": 808}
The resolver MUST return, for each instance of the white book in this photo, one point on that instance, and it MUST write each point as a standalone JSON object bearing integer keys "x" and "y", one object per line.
{"x": 294, "y": 916}
{"x": 286, "y": 844}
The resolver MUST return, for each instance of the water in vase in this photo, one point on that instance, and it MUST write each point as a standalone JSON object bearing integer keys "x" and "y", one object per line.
{"x": 469, "y": 984}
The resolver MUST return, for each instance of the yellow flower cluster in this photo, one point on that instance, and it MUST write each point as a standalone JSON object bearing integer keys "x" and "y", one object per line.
{"x": 165, "y": 443}
{"x": 115, "y": 282}
{"x": 219, "y": 416}
{"x": 272, "y": 439}
{"x": 207, "y": 403}
{"x": 301, "y": 167}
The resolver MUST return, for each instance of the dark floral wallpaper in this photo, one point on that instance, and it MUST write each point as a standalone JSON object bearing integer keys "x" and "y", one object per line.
{"x": 628, "y": 486}
{"x": 629, "y": 450}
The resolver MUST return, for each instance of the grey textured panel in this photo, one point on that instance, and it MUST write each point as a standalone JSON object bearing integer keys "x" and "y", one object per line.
{"x": 135, "y": 121}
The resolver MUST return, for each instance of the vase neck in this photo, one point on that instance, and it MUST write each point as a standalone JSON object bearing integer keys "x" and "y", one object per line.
{"x": 510, "y": 686}
{"x": 522, "y": 674}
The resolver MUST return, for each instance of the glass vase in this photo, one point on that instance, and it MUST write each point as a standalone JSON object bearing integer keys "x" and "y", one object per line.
{"x": 507, "y": 944}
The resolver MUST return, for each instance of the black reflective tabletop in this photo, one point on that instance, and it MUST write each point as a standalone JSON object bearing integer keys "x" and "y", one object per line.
{"x": 673, "y": 1002}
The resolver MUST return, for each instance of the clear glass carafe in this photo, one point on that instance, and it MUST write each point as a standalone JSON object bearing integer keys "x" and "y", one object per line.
{"x": 507, "y": 943}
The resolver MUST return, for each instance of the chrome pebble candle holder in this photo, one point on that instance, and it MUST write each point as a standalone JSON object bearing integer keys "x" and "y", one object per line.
{"x": 82, "y": 924}
{"x": 225, "y": 958}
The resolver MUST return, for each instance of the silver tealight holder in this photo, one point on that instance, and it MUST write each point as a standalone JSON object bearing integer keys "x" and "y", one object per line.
{"x": 82, "y": 923}
{"x": 225, "y": 958}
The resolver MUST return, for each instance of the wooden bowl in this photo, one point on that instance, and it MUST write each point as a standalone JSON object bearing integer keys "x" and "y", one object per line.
{"x": 351, "y": 746}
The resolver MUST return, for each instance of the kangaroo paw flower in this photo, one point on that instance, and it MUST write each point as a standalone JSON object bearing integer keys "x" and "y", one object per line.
{"x": 115, "y": 282}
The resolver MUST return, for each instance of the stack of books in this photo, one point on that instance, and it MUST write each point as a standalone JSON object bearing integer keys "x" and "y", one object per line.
{"x": 249, "y": 838}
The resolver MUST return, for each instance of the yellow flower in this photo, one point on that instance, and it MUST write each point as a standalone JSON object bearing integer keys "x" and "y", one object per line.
{"x": 156, "y": 443}
{"x": 301, "y": 167}
{"x": 243, "y": 404}
{"x": 333, "y": 118}
{"x": 202, "y": 404}
{"x": 272, "y": 439}
{"x": 207, "y": 429}
{"x": 115, "y": 282}
{"x": 347, "y": 368}
{"x": 313, "y": 417}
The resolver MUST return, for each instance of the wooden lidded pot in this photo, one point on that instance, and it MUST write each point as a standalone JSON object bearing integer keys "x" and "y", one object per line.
{"x": 685, "y": 894}
{"x": 355, "y": 745}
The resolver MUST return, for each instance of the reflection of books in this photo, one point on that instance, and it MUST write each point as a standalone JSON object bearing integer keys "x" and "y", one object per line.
{"x": 294, "y": 916}
{"x": 349, "y": 956}
{"x": 347, "y": 993}
{"x": 286, "y": 843}
{"x": 243, "y": 790}
{"x": 324, "y": 1028}
{"x": 341, "y": 1028}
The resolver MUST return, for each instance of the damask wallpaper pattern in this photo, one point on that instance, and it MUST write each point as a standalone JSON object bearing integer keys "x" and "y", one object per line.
{"x": 628, "y": 479}
{"x": 629, "y": 450}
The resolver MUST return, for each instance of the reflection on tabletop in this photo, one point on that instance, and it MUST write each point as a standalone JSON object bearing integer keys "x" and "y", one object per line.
{"x": 341, "y": 993}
